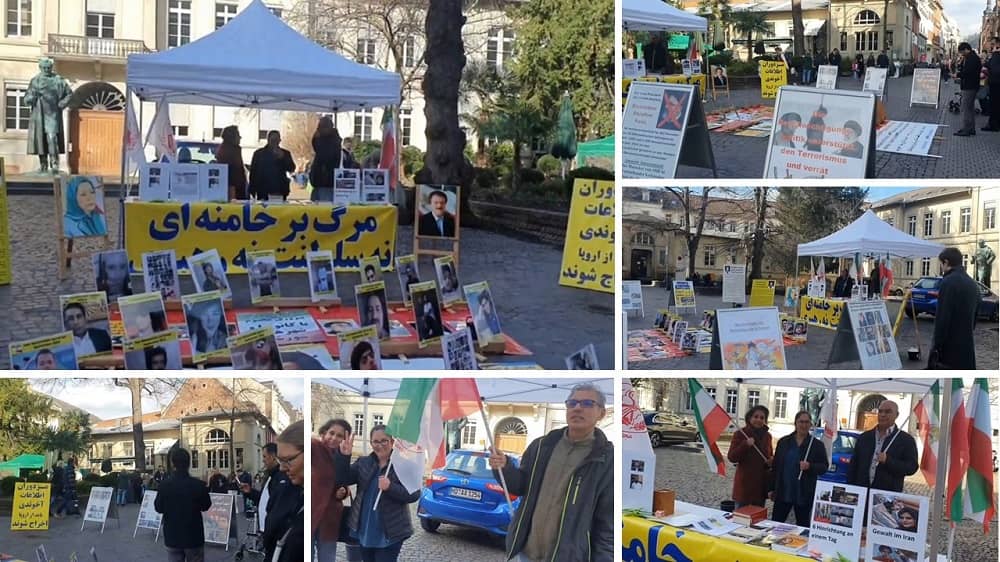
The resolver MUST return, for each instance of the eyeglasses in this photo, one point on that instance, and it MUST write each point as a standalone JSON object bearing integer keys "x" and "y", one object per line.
{"x": 585, "y": 403}
{"x": 288, "y": 462}
{"x": 380, "y": 441}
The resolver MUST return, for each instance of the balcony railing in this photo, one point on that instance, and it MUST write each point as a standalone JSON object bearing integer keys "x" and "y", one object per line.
{"x": 93, "y": 47}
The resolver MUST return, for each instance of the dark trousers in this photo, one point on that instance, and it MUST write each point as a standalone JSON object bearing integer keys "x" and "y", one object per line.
{"x": 186, "y": 554}
{"x": 994, "y": 122}
{"x": 969, "y": 111}
{"x": 387, "y": 554}
{"x": 781, "y": 510}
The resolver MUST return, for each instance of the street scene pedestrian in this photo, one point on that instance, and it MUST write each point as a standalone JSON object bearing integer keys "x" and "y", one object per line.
{"x": 181, "y": 500}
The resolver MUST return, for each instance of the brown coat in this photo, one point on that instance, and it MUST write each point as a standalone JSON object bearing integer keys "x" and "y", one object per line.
{"x": 326, "y": 508}
{"x": 752, "y": 471}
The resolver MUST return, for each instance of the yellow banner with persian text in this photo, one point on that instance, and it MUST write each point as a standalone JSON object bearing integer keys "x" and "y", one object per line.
{"x": 30, "y": 511}
{"x": 350, "y": 233}
{"x": 649, "y": 541}
{"x": 773, "y": 75}
{"x": 589, "y": 254}
{"x": 824, "y": 313}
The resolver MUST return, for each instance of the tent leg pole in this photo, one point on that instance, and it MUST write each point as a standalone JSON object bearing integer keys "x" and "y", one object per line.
{"x": 937, "y": 499}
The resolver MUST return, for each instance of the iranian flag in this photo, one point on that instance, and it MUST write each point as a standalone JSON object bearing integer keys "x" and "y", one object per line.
{"x": 885, "y": 275}
{"x": 979, "y": 501}
{"x": 928, "y": 412}
{"x": 828, "y": 415}
{"x": 712, "y": 421}
{"x": 389, "y": 157}
{"x": 958, "y": 461}
{"x": 417, "y": 423}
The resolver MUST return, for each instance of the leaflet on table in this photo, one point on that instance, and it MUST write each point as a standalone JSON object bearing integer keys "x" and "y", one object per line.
{"x": 346, "y": 186}
{"x": 290, "y": 327}
{"x": 375, "y": 186}
{"x": 837, "y": 519}
{"x": 187, "y": 183}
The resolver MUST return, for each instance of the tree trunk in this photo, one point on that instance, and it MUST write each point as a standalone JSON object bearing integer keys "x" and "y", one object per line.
{"x": 757, "y": 247}
{"x": 750, "y": 46}
{"x": 885, "y": 25}
{"x": 798, "y": 31}
{"x": 515, "y": 168}
{"x": 138, "y": 442}
{"x": 696, "y": 238}
{"x": 445, "y": 55}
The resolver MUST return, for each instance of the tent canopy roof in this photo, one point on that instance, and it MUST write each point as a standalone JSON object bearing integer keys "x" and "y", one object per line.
{"x": 526, "y": 391}
{"x": 258, "y": 61}
{"x": 870, "y": 234}
{"x": 655, "y": 15}
{"x": 893, "y": 385}
{"x": 24, "y": 462}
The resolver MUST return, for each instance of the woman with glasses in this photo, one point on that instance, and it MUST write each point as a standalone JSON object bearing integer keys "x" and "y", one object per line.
{"x": 380, "y": 529}
{"x": 799, "y": 460}
{"x": 752, "y": 454}
{"x": 285, "y": 524}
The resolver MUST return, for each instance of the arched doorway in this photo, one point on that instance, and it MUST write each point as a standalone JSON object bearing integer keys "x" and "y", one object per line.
{"x": 96, "y": 121}
{"x": 867, "y": 412}
{"x": 511, "y": 435}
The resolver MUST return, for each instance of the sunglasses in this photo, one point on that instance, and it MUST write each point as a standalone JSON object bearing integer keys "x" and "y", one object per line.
{"x": 585, "y": 403}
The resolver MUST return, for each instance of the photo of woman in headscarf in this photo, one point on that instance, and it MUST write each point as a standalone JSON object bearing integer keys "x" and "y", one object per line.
{"x": 83, "y": 209}
{"x": 206, "y": 323}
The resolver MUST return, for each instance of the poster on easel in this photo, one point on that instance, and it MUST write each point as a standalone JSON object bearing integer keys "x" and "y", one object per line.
{"x": 773, "y": 75}
{"x": 218, "y": 520}
{"x": 663, "y": 126}
{"x": 30, "y": 510}
{"x": 749, "y": 339}
{"x": 437, "y": 220}
{"x": 185, "y": 182}
{"x": 816, "y": 289}
{"x": 214, "y": 183}
{"x": 734, "y": 283}
{"x": 762, "y": 292}
{"x": 819, "y": 134}
{"x": 865, "y": 334}
{"x": 148, "y": 517}
{"x": 720, "y": 80}
{"x": 837, "y": 520}
{"x": 631, "y": 68}
{"x": 638, "y": 459}
{"x": 874, "y": 81}
{"x": 897, "y": 526}
{"x": 632, "y": 297}
{"x": 98, "y": 506}
{"x": 588, "y": 259}
{"x": 80, "y": 214}
{"x": 826, "y": 77}
{"x": 684, "y": 295}
{"x": 5, "y": 255}
{"x": 926, "y": 87}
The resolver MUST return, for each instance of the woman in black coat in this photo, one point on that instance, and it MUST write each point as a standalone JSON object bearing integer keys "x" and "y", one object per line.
{"x": 380, "y": 532}
{"x": 326, "y": 145}
{"x": 799, "y": 460}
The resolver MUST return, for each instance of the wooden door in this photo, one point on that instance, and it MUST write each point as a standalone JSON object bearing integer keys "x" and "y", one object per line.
{"x": 512, "y": 443}
{"x": 96, "y": 142}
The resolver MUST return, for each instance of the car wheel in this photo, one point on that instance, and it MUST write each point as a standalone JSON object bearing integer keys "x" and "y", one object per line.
{"x": 654, "y": 440}
{"x": 429, "y": 525}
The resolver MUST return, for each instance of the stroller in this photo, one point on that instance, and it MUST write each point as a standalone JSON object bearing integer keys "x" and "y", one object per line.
{"x": 955, "y": 103}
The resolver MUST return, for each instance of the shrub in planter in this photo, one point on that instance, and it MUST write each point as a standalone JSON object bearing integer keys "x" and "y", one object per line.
{"x": 501, "y": 154}
{"x": 549, "y": 165}
{"x": 364, "y": 149}
{"x": 486, "y": 178}
{"x": 36, "y": 477}
{"x": 587, "y": 172}
{"x": 554, "y": 187}
{"x": 721, "y": 58}
{"x": 742, "y": 68}
{"x": 412, "y": 159}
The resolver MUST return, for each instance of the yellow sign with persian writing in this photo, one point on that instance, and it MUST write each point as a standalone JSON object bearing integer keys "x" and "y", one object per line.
{"x": 762, "y": 292}
{"x": 292, "y": 231}
{"x": 31, "y": 506}
{"x": 644, "y": 541}
{"x": 5, "y": 257}
{"x": 824, "y": 313}
{"x": 589, "y": 254}
{"x": 773, "y": 75}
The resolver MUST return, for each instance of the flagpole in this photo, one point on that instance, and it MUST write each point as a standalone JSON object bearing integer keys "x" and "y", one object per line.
{"x": 808, "y": 448}
{"x": 388, "y": 467}
{"x": 944, "y": 432}
{"x": 489, "y": 437}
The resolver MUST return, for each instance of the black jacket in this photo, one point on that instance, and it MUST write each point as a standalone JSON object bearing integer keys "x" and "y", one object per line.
{"x": 269, "y": 173}
{"x": 100, "y": 338}
{"x": 393, "y": 508}
{"x": 993, "y": 66}
{"x": 901, "y": 461}
{"x": 428, "y": 226}
{"x": 835, "y": 59}
{"x": 283, "y": 513}
{"x": 955, "y": 320}
{"x": 883, "y": 61}
{"x": 58, "y": 478}
{"x": 843, "y": 286}
{"x": 181, "y": 499}
{"x": 971, "y": 66}
{"x": 817, "y": 466}
{"x": 587, "y": 531}
{"x": 327, "y": 159}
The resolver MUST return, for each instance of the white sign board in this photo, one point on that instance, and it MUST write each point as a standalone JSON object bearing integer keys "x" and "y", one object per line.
{"x": 816, "y": 289}
{"x": 98, "y": 505}
{"x": 826, "y": 77}
{"x": 875, "y": 80}
{"x": 873, "y": 335}
{"x": 734, "y": 283}
{"x": 905, "y": 137}
{"x": 926, "y": 86}
{"x": 837, "y": 517}
{"x": 632, "y": 296}
{"x": 630, "y": 68}
{"x": 751, "y": 338}
{"x": 148, "y": 517}
{"x": 656, "y": 115}
{"x": 897, "y": 526}
{"x": 820, "y": 134}
{"x": 638, "y": 460}
{"x": 218, "y": 519}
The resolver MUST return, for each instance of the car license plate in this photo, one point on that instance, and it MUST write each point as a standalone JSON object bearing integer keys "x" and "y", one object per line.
{"x": 467, "y": 493}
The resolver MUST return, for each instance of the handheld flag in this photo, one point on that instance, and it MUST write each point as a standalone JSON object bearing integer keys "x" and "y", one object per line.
{"x": 712, "y": 421}
{"x": 928, "y": 412}
{"x": 980, "y": 500}
{"x": 959, "y": 455}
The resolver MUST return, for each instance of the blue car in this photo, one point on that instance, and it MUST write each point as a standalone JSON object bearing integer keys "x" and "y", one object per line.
{"x": 843, "y": 451}
{"x": 465, "y": 493}
{"x": 925, "y": 298}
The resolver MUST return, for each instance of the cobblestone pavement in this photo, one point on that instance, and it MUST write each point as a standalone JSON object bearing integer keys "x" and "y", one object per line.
{"x": 961, "y": 157}
{"x": 550, "y": 320}
{"x": 686, "y": 471}
{"x": 813, "y": 354}
{"x": 449, "y": 544}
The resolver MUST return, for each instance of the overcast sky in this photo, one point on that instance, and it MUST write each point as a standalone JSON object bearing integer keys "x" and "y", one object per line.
{"x": 105, "y": 400}
{"x": 968, "y": 14}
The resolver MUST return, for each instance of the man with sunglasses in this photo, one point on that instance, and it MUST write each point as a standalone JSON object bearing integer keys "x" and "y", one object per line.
{"x": 566, "y": 484}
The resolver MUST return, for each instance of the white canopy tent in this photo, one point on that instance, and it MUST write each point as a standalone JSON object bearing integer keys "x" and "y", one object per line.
{"x": 527, "y": 391}
{"x": 655, "y": 15}
{"x": 869, "y": 234}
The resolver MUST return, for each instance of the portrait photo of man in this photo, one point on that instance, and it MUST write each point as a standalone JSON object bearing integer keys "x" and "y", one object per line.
{"x": 439, "y": 221}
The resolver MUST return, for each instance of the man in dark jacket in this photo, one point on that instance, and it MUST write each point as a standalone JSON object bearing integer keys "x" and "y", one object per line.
{"x": 182, "y": 499}
{"x": 276, "y": 481}
{"x": 969, "y": 79}
{"x": 843, "y": 286}
{"x": 954, "y": 345}
{"x": 269, "y": 169}
{"x": 884, "y": 455}
{"x": 993, "y": 66}
{"x": 438, "y": 222}
{"x": 58, "y": 503}
{"x": 566, "y": 484}
{"x": 654, "y": 54}
{"x": 883, "y": 60}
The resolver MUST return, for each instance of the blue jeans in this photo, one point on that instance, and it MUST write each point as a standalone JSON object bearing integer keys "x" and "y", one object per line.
{"x": 122, "y": 494}
{"x": 387, "y": 554}
{"x": 807, "y": 76}
{"x": 326, "y": 551}
{"x": 58, "y": 504}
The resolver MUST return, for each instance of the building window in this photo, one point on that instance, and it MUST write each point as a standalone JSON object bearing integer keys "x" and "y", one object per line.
{"x": 732, "y": 395}
{"x": 18, "y": 18}
{"x": 262, "y": 134}
{"x": 965, "y": 261}
{"x": 405, "y": 125}
{"x": 127, "y": 447}
{"x": 409, "y": 51}
{"x": 890, "y": 220}
{"x": 225, "y": 11}
{"x": 945, "y": 222}
{"x": 178, "y": 23}
{"x": 100, "y": 25}
{"x": 363, "y": 125}
{"x": 928, "y": 224}
{"x": 911, "y": 225}
{"x": 224, "y": 458}
{"x": 753, "y": 398}
{"x": 499, "y": 47}
{"x": 843, "y": 40}
{"x": 709, "y": 256}
{"x": 359, "y": 424}
{"x": 780, "y": 404}
{"x": 965, "y": 219}
{"x": 469, "y": 432}
{"x": 16, "y": 112}
{"x": 217, "y": 132}
{"x": 909, "y": 268}
{"x": 182, "y": 131}
{"x": 642, "y": 239}
{"x": 888, "y": 39}
{"x": 210, "y": 459}
{"x": 239, "y": 456}
{"x": 149, "y": 455}
{"x": 663, "y": 257}
{"x": 366, "y": 51}
{"x": 216, "y": 436}
{"x": 866, "y": 40}
{"x": 378, "y": 419}
{"x": 711, "y": 392}
{"x": 925, "y": 267}
{"x": 990, "y": 215}
{"x": 866, "y": 17}
{"x": 194, "y": 458}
